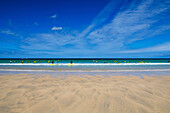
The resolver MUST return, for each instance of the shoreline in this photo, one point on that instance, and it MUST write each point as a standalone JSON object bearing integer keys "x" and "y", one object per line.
{"x": 79, "y": 70}
{"x": 82, "y": 64}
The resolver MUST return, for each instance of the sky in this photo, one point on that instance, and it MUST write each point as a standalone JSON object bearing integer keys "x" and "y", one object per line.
{"x": 84, "y": 29}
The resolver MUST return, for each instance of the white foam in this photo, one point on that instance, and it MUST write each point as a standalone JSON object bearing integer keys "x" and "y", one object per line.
{"x": 68, "y": 64}
{"x": 32, "y": 70}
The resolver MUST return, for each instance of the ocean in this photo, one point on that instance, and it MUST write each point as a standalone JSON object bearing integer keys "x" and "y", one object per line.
{"x": 85, "y": 64}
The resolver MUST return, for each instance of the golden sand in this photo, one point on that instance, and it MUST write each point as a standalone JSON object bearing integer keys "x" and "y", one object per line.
{"x": 24, "y": 93}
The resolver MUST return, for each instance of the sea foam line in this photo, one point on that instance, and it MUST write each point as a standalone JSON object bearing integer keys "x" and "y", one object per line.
{"x": 35, "y": 64}
{"x": 34, "y": 70}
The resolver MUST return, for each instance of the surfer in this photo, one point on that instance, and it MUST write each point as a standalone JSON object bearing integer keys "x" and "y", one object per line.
{"x": 71, "y": 62}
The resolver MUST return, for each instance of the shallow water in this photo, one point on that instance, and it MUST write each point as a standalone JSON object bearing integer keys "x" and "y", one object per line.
{"x": 88, "y": 68}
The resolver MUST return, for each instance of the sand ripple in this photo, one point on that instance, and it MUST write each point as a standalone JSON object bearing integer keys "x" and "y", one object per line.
{"x": 24, "y": 93}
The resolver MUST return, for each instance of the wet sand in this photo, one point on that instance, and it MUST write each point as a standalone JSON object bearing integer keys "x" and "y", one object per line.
{"x": 24, "y": 93}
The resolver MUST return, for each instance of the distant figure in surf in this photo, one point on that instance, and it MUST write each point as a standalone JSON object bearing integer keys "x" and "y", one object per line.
{"x": 52, "y": 62}
{"x": 71, "y": 62}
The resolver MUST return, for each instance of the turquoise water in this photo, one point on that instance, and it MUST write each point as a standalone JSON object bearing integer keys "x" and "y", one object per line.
{"x": 84, "y": 60}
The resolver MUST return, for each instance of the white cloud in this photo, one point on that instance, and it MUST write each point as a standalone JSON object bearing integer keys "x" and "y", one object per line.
{"x": 52, "y": 42}
{"x": 102, "y": 16}
{"x": 54, "y": 16}
{"x": 135, "y": 22}
{"x": 157, "y": 48}
{"x": 35, "y": 23}
{"x": 56, "y": 28}
{"x": 8, "y": 32}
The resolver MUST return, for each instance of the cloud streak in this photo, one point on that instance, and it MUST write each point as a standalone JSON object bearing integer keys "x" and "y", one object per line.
{"x": 157, "y": 48}
{"x": 35, "y": 23}
{"x": 134, "y": 23}
{"x": 103, "y": 16}
{"x": 9, "y": 32}
{"x": 56, "y": 28}
{"x": 54, "y": 16}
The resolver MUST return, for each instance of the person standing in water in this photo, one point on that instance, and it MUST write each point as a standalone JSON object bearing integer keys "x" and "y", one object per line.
{"x": 71, "y": 62}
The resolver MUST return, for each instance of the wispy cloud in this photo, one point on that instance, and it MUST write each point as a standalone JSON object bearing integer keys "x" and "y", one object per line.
{"x": 35, "y": 23}
{"x": 56, "y": 28}
{"x": 54, "y": 16}
{"x": 103, "y": 16}
{"x": 134, "y": 22}
{"x": 9, "y": 32}
{"x": 50, "y": 41}
{"x": 157, "y": 48}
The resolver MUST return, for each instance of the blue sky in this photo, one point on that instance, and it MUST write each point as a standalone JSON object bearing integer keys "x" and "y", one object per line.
{"x": 85, "y": 28}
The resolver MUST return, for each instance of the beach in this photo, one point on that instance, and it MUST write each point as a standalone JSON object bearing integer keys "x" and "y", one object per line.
{"x": 42, "y": 93}
{"x": 85, "y": 56}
